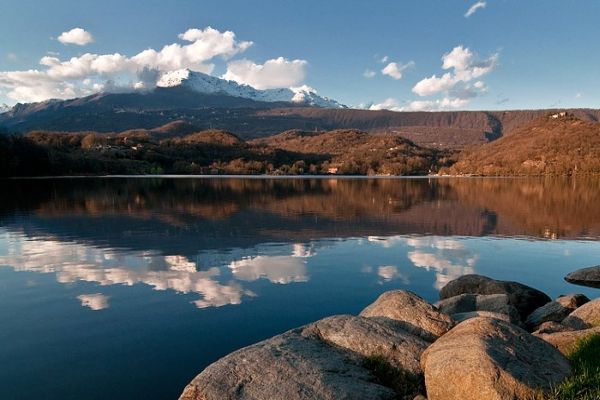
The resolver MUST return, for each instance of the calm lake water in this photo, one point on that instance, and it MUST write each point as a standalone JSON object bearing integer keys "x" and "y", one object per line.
{"x": 123, "y": 288}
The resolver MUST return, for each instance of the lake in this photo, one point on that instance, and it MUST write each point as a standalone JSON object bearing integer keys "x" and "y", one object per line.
{"x": 121, "y": 288}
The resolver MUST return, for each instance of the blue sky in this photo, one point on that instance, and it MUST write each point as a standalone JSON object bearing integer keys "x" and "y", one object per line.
{"x": 507, "y": 54}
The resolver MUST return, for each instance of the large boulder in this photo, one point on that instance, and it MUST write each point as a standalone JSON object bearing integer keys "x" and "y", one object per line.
{"x": 586, "y": 316}
{"x": 585, "y": 277}
{"x": 555, "y": 310}
{"x": 373, "y": 337}
{"x": 524, "y": 298}
{"x": 495, "y": 303}
{"x": 551, "y": 327}
{"x": 485, "y": 358}
{"x": 290, "y": 366}
{"x": 565, "y": 340}
{"x": 412, "y": 313}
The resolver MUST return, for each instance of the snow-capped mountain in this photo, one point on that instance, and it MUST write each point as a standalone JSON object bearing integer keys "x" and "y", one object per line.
{"x": 208, "y": 84}
{"x": 4, "y": 108}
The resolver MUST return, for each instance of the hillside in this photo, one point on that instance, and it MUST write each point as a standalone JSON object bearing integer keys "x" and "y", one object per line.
{"x": 213, "y": 152}
{"x": 557, "y": 144}
{"x": 353, "y": 150}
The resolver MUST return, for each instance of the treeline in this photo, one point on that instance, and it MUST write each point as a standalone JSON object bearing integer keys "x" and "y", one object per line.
{"x": 207, "y": 152}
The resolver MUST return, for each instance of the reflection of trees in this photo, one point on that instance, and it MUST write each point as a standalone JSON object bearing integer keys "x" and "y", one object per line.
{"x": 289, "y": 208}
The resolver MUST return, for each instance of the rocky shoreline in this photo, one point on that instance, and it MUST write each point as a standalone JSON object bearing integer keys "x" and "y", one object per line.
{"x": 484, "y": 339}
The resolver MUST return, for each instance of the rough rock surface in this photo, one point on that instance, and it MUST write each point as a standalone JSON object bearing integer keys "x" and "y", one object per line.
{"x": 289, "y": 366}
{"x": 412, "y": 313}
{"x": 495, "y": 303}
{"x": 485, "y": 358}
{"x": 585, "y": 277}
{"x": 565, "y": 340}
{"x": 524, "y": 298}
{"x": 373, "y": 337}
{"x": 552, "y": 327}
{"x": 555, "y": 310}
{"x": 586, "y": 316}
{"x": 459, "y": 317}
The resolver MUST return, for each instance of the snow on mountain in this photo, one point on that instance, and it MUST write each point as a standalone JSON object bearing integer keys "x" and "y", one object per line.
{"x": 204, "y": 83}
{"x": 4, "y": 108}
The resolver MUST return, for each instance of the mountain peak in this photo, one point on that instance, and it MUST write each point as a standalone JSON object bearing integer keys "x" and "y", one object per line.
{"x": 207, "y": 84}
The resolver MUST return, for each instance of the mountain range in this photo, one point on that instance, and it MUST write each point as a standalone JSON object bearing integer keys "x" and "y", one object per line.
{"x": 208, "y": 102}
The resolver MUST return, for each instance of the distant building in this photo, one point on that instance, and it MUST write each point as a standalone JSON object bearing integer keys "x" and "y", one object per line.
{"x": 332, "y": 170}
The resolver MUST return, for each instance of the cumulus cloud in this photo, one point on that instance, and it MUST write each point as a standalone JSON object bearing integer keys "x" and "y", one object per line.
{"x": 78, "y": 36}
{"x": 465, "y": 67}
{"x": 274, "y": 73}
{"x": 473, "y": 9}
{"x": 64, "y": 78}
{"x": 395, "y": 70}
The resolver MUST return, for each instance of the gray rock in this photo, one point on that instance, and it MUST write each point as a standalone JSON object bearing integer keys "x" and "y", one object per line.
{"x": 373, "y": 337}
{"x": 585, "y": 277}
{"x": 564, "y": 341}
{"x": 485, "y": 358}
{"x": 524, "y": 298}
{"x": 289, "y": 366}
{"x": 586, "y": 316}
{"x": 551, "y": 327}
{"x": 459, "y": 317}
{"x": 495, "y": 303}
{"x": 412, "y": 313}
{"x": 555, "y": 310}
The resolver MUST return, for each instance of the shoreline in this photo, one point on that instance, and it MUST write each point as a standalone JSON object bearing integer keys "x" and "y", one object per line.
{"x": 483, "y": 336}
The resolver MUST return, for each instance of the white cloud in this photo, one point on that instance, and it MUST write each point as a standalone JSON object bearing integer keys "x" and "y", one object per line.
{"x": 384, "y": 59}
{"x": 473, "y": 9}
{"x": 395, "y": 69}
{"x": 274, "y": 73}
{"x": 12, "y": 57}
{"x": 465, "y": 67}
{"x": 78, "y": 36}
{"x": 444, "y": 104}
{"x": 64, "y": 78}
{"x": 369, "y": 73}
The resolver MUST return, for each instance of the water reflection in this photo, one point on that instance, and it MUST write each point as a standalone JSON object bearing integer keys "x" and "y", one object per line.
{"x": 96, "y": 301}
{"x": 72, "y": 262}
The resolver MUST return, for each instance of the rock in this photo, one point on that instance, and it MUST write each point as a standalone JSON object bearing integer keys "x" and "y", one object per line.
{"x": 565, "y": 340}
{"x": 373, "y": 337}
{"x": 485, "y": 358}
{"x": 289, "y": 366}
{"x": 495, "y": 303}
{"x": 586, "y": 316}
{"x": 412, "y": 313}
{"x": 555, "y": 310}
{"x": 524, "y": 298}
{"x": 459, "y": 317}
{"x": 551, "y": 327}
{"x": 585, "y": 277}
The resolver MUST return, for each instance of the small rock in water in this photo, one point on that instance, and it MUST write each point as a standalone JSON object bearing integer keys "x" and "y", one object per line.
{"x": 524, "y": 298}
{"x": 485, "y": 358}
{"x": 585, "y": 277}
{"x": 412, "y": 313}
